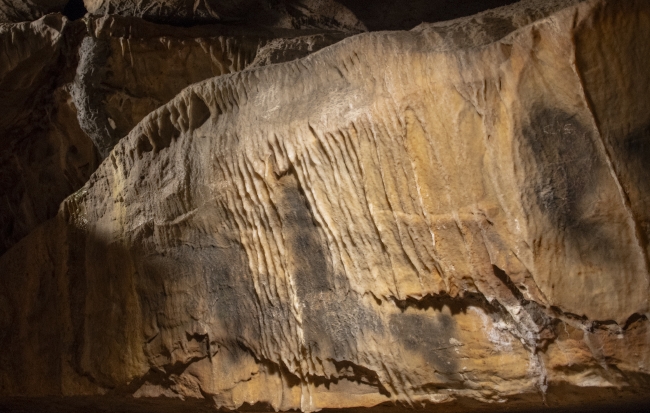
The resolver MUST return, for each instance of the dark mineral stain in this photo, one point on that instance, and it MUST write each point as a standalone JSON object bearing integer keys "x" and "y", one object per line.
{"x": 564, "y": 157}
{"x": 232, "y": 293}
{"x": 428, "y": 336}
{"x": 567, "y": 168}
{"x": 335, "y": 321}
{"x": 334, "y": 318}
{"x": 313, "y": 271}
{"x": 226, "y": 285}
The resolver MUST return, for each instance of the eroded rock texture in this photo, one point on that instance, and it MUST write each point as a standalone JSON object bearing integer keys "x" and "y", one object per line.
{"x": 298, "y": 14}
{"x": 455, "y": 212}
{"x": 44, "y": 154}
{"x": 64, "y": 82}
{"x": 341, "y": 15}
{"x": 130, "y": 67}
{"x": 12, "y": 11}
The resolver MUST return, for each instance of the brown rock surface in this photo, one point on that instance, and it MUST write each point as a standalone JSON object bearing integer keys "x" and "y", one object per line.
{"x": 289, "y": 14}
{"x": 458, "y": 212}
{"x": 108, "y": 73}
{"x": 130, "y": 67}
{"x": 342, "y": 15}
{"x": 44, "y": 154}
{"x": 31, "y": 55}
{"x": 14, "y": 11}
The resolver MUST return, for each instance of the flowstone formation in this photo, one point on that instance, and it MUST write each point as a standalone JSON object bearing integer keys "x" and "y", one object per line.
{"x": 454, "y": 214}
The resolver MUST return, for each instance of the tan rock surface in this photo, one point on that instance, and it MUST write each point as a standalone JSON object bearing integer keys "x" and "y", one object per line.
{"x": 14, "y": 11}
{"x": 130, "y": 67}
{"x": 125, "y": 68}
{"x": 454, "y": 212}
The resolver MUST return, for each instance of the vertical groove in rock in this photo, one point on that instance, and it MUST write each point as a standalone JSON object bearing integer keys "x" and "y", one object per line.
{"x": 402, "y": 217}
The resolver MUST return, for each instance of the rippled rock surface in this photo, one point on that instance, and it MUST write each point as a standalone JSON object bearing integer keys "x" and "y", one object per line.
{"x": 453, "y": 214}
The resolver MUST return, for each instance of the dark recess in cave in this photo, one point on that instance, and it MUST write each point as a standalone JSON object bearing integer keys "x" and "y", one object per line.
{"x": 75, "y": 10}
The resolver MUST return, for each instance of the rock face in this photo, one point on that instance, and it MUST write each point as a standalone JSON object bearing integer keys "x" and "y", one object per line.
{"x": 457, "y": 212}
{"x": 297, "y": 14}
{"x": 31, "y": 53}
{"x": 341, "y": 15}
{"x": 130, "y": 67}
{"x": 12, "y": 11}
{"x": 44, "y": 154}
{"x": 108, "y": 73}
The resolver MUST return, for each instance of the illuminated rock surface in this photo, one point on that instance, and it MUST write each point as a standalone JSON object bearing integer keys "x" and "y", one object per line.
{"x": 454, "y": 214}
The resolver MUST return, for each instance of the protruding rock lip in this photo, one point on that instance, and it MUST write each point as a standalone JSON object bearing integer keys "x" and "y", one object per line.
{"x": 63, "y": 47}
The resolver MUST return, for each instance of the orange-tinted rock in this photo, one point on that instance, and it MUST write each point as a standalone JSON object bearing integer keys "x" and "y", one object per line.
{"x": 448, "y": 214}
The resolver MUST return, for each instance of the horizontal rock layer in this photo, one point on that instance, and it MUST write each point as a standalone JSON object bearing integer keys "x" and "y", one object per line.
{"x": 455, "y": 212}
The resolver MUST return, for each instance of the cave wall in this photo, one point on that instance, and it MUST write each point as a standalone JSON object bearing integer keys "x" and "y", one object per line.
{"x": 306, "y": 218}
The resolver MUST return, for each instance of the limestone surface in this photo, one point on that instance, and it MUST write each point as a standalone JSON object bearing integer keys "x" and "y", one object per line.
{"x": 457, "y": 212}
{"x": 69, "y": 91}
{"x": 44, "y": 154}
{"x": 297, "y": 14}
{"x": 129, "y": 67}
{"x": 13, "y": 11}
{"x": 342, "y": 15}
